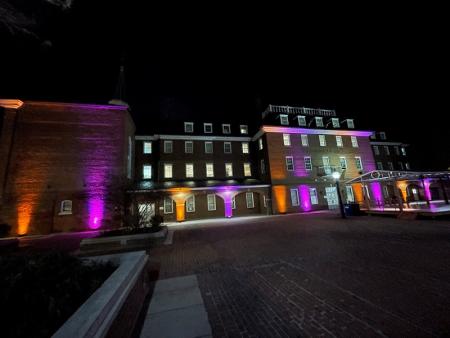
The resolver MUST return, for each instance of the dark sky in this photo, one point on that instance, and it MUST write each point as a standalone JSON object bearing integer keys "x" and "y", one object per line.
{"x": 387, "y": 68}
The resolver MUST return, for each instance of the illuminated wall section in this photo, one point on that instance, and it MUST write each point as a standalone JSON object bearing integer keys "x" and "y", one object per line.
{"x": 427, "y": 183}
{"x": 179, "y": 196}
{"x": 358, "y": 192}
{"x": 227, "y": 193}
{"x": 402, "y": 185}
{"x": 377, "y": 192}
{"x": 279, "y": 192}
{"x": 305, "y": 198}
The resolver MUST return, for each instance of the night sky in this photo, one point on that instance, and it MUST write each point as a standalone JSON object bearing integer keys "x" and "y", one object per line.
{"x": 387, "y": 69}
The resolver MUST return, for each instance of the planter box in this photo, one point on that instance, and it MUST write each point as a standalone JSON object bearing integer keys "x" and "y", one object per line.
{"x": 112, "y": 310}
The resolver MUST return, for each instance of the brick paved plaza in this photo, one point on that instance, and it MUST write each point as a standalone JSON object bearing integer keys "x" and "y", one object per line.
{"x": 316, "y": 275}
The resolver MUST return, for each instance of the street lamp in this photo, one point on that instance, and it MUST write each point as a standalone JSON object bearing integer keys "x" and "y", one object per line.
{"x": 337, "y": 175}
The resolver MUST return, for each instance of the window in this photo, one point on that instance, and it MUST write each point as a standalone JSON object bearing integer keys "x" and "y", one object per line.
{"x": 350, "y": 123}
{"x": 308, "y": 163}
{"x": 188, "y": 147}
{"x": 188, "y": 127}
{"x": 207, "y": 128}
{"x": 313, "y": 196}
{"x": 249, "y": 200}
{"x": 339, "y": 141}
{"x": 211, "y": 200}
{"x": 301, "y": 120}
{"x": 400, "y": 164}
{"x": 227, "y": 147}
{"x": 383, "y": 135}
{"x": 397, "y": 150}
{"x": 264, "y": 201}
{"x": 168, "y": 147}
{"x": 168, "y": 205}
{"x": 335, "y": 122}
{"x": 147, "y": 172}
{"x": 358, "y": 162}
{"x": 319, "y": 121}
{"x": 304, "y": 138}
{"x": 263, "y": 167}
{"x": 284, "y": 120}
{"x": 289, "y": 163}
{"x": 376, "y": 150}
{"x": 228, "y": 169}
{"x": 386, "y": 150}
{"x": 189, "y": 170}
{"x": 343, "y": 162}
{"x": 407, "y": 166}
{"x": 233, "y": 202}
{"x": 322, "y": 141}
{"x": 350, "y": 196}
{"x": 354, "y": 142}
{"x": 294, "y": 198}
{"x": 209, "y": 170}
{"x": 260, "y": 144}
{"x": 287, "y": 140}
{"x": 385, "y": 191}
{"x": 190, "y": 204}
{"x": 226, "y": 128}
{"x": 167, "y": 170}
{"x": 247, "y": 170}
{"x": 326, "y": 164}
{"x": 208, "y": 147}
{"x": 380, "y": 165}
{"x": 66, "y": 207}
{"x": 147, "y": 147}
{"x": 403, "y": 151}
{"x": 245, "y": 148}
{"x": 390, "y": 166}
{"x": 243, "y": 128}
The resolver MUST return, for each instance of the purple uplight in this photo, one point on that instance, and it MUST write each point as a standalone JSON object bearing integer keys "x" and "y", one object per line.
{"x": 426, "y": 183}
{"x": 96, "y": 209}
{"x": 377, "y": 193}
{"x": 305, "y": 198}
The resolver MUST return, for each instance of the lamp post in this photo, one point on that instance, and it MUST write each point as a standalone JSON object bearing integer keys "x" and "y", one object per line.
{"x": 336, "y": 175}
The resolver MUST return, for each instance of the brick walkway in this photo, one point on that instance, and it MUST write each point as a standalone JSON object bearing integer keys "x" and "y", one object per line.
{"x": 317, "y": 275}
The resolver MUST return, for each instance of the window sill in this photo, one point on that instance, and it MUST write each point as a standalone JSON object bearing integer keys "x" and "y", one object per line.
{"x": 64, "y": 213}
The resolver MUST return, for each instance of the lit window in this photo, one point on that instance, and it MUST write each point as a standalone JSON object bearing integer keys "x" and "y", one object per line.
{"x": 322, "y": 141}
{"x": 397, "y": 150}
{"x": 354, "y": 142}
{"x": 264, "y": 201}
{"x": 247, "y": 170}
{"x": 228, "y": 169}
{"x": 339, "y": 141}
{"x": 208, "y": 147}
{"x": 260, "y": 144}
{"x": 190, "y": 204}
{"x": 343, "y": 162}
{"x": 390, "y": 166}
{"x": 168, "y": 205}
{"x": 189, "y": 170}
{"x": 350, "y": 124}
{"x": 407, "y": 166}
{"x": 308, "y": 163}
{"x": 168, "y": 147}
{"x": 245, "y": 147}
{"x": 207, "y": 128}
{"x": 243, "y": 128}
{"x": 350, "y": 196}
{"x": 380, "y": 165}
{"x": 211, "y": 200}
{"x": 188, "y": 147}
{"x": 386, "y": 150}
{"x": 66, "y": 207}
{"x": 287, "y": 140}
{"x": 301, "y": 120}
{"x": 233, "y": 202}
{"x": 358, "y": 163}
{"x": 167, "y": 170}
{"x": 284, "y": 120}
{"x": 147, "y": 171}
{"x": 188, "y": 127}
{"x": 263, "y": 167}
{"x": 226, "y": 128}
{"x": 376, "y": 150}
{"x": 383, "y": 135}
{"x": 147, "y": 147}
{"x": 313, "y": 196}
{"x": 294, "y": 198}
{"x": 289, "y": 163}
{"x": 227, "y": 147}
{"x": 326, "y": 164}
{"x": 335, "y": 122}
{"x": 403, "y": 151}
{"x": 209, "y": 170}
{"x": 319, "y": 121}
{"x": 304, "y": 138}
{"x": 249, "y": 200}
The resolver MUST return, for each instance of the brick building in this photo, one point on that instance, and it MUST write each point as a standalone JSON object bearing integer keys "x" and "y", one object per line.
{"x": 389, "y": 154}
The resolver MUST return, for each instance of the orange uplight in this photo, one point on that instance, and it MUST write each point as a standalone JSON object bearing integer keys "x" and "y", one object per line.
{"x": 180, "y": 212}
{"x": 279, "y": 191}
{"x": 358, "y": 192}
{"x": 24, "y": 211}
{"x": 402, "y": 185}
{"x": 179, "y": 195}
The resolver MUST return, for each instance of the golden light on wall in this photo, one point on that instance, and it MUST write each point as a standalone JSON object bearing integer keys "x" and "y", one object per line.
{"x": 25, "y": 209}
{"x": 279, "y": 191}
{"x": 358, "y": 192}
{"x": 179, "y": 196}
{"x": 402, "y": 185}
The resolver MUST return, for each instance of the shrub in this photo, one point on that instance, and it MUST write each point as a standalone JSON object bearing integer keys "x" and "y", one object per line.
{"x": 4, "y": 229}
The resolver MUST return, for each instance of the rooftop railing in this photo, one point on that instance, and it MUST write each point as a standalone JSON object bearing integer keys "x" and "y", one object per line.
{"x": 298, "y": 110}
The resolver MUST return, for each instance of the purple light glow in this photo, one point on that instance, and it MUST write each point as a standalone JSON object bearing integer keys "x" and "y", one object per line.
{"x": 426, "y": 183}
{"x": 377, "y": 193}
{"x": 96, "y": 209}
{"x": 305, "y": 197}
{"x": 290, "y": 130}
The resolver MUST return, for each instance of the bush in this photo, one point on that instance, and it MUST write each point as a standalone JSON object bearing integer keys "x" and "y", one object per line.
{"x": 4, "y": 229}
{"x": 156, "y": 220}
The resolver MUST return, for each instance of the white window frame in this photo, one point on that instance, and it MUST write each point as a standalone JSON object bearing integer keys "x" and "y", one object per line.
{"x": 308, "y": 163}
{"x": 379, "y": 165}
{"x": 305, "y": 141}
{"x": 403, "y": 151}
{"x": 224, "y": 126}
{"x": 294, "y": 193}
{"x": 229, "y": 166}
{"x": 66, "y": 207}
{"x": 186, "y": 124}
{"x": 350, "y": 124}
{"x": 211, "y": 198}
{"x": 319, "y": 121}
{"x": 245, "y": 148}
{"x": 326, "y": 164}
{"x": 147, "y": 172}
{"x": 260, "y": 144}
{"x": 387, "y": 150}
{"x": 376, "y": 150}
{"x": 349, "y": 193}
{"x": 339, "y": 142}
{"x": 284, "y": 119}
{"x": 354, "y": 141}
{"x": 192, "y": 198}
{"x": 247, "y": 169}
{"x": 205, "y": 125}
{"x": 209, "y": 173}
{"x": 250, "y": 205}
{"x": 166, "y": 168}
{"x": 407, "y": 167}
{"x": 189, "y": 172}
{"x": 289, "y": 160}
{"x": 263, "y": 166}
{"x": 359, "y": 160}
{"x": 206, "y": 147}
{"x": 287, "y": 140}
{"x": 397, "y": 150}
{"x": 301, "y": 120}
{"x": 264, "y": 201}
{"x": 322, "y": 141}
{"x": 166, "y": 204}
{"x": 314, "y": 198}
{"x": 147, "y": 147}
{"x": 186, "y": 143}
{"x": 233, "y": 203}
{"x": 343, "y": 162}
{"x": 335, "y": 122}
{"x": 168, "y": 145}
{"x": 225, "y": 144}
{"x": 243, "y": 128}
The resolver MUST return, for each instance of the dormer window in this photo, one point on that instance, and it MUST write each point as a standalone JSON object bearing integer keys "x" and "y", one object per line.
{"x": 301, "y": 120}
{"x": 335, "y": 122}
{"x": 226, "y": 128}
{"x": 284, "y": 120}
{"x": 207, "y": 128}
{"x": 243, "y": 128}
{"x": 66, "y": 208}
{"x": 319, "y": 121}
{"x": 350, "y": 123}
{"x": 188, "y": 127}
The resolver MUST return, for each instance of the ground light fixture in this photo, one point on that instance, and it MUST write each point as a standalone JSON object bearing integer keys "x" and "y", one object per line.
{"x": 337, "y": 175}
